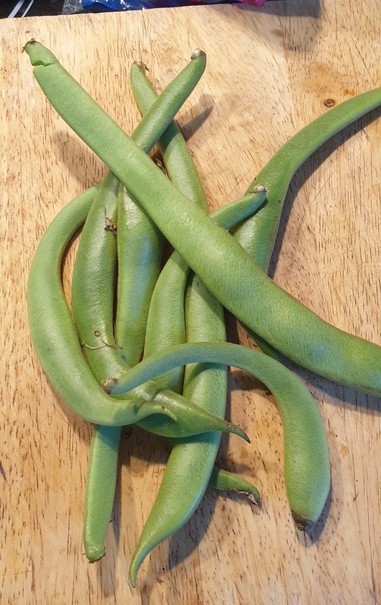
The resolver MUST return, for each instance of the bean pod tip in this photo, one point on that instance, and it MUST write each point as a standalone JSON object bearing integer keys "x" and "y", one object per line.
{"x": 39, "y": 54}
{"x": 197, "y": 53}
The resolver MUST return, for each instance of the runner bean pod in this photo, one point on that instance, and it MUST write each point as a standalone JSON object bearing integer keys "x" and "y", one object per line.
{"x": 227, "y": 270}
{"x": 54, "y": 334}
{"x": 93, "y": 303}
{"x": 191, "y": 461}
{"x": 258, "y": 234}
{"x": 306, "y": 456}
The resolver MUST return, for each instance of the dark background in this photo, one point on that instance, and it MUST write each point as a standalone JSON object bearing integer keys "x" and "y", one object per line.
{"x": 39, "y": 7}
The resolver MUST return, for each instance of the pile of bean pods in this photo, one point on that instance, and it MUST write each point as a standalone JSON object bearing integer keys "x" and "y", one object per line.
{"x": 145, "y": 342}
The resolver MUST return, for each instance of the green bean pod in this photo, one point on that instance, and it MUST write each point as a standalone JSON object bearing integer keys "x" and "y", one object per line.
{"x": 179, "y": 493}
{"x": 138, "y": 238}
{"x": 306, "y": 456}
{"x": 140, "y": 251}
{"x": 165, "y": 323}
{"x": 54, "y": 334}
{"x": 191, "y": 461}
{"x": 92, "y": 299}
{"x": 258, "y": 234}
{"x": 223, "y": 480}
{"x": 93, "y": 303}
{"x": 227, "y": 270}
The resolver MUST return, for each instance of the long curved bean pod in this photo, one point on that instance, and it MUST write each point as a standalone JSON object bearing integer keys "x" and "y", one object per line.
{"x": 228, "y": 271}
{"x": 258, "y": 234}
{"x": 104, "y": 445}
{"x": 92, "y": 298}
{"x": 306, "y": 458}
{"x": 191, "y": 460}
{"x": 54, "y": 334}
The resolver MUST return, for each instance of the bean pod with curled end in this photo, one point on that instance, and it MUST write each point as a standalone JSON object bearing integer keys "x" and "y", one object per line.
{"x": 306, "y": 456}
{"x": 191, "y": 461}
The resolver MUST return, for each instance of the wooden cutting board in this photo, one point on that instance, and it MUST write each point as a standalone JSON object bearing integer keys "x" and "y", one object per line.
{"x": 270, "y": 71}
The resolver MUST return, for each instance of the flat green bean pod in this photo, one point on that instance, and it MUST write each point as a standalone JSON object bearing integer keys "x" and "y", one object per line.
{"x": 227, "y": 270}
{"x": 54, "y": 334}
{"x": 306, "y": 457}
{"x": 191, "y": 461}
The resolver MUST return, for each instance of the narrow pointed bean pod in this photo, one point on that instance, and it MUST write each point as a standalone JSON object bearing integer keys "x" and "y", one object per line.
{"x": 191, "y": 460}
{"x": 306, "y": 457}
{"x": 227, "y": 270}
{"x": 223, "y": 480}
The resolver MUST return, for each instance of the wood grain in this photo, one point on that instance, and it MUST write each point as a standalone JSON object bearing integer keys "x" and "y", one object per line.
{"x": 270, "y": 71}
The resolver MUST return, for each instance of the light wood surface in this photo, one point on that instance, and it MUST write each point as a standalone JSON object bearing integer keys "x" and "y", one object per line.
{"x": 269, "y": 72}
